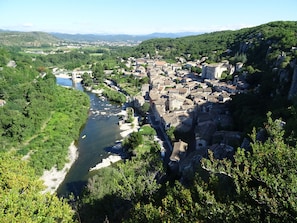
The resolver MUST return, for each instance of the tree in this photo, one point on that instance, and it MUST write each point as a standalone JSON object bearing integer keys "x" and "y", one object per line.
{"x": 134, "y": 140}
{"x": 114, "y": 190}
{"x": 87, "y": 80}
{"x": 4, "y": 57}
{"x": 197, "y": 70}
{"x": 264, "y": 178}
{"x": 259, "y": 185}
{"x": 98, "y": 72}
{"x": 250, "y": 69}
{"x": 145, "y": 108}
{"x": 130, "y": 113}
{"x": 21, "y": 197}
{"x": 41, "y": 69}
{"x": 240, "y": 58}
{"x": 170, "y": 133}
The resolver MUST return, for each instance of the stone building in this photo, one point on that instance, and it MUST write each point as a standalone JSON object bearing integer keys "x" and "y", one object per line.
{"x": 214, "y": 71}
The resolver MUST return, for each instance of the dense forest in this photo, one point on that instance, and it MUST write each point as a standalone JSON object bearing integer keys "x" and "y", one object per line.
{"x": 41, "y": 119}
{"x": 279, "y": 35}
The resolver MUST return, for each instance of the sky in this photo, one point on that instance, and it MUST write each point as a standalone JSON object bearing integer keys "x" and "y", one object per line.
{"x": 141, "y": 16}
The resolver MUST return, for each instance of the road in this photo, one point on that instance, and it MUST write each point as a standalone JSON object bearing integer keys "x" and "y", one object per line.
{"x": 161, "y": 137}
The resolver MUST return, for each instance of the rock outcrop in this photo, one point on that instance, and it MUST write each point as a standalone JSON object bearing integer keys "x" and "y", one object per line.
{"x": 293, "y": 88}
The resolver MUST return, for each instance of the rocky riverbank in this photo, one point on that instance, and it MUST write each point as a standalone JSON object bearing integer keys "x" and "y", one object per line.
{"x": 53, "y": 178}
{"x": 107, "y": 162}
{"x": 126, "y": 128}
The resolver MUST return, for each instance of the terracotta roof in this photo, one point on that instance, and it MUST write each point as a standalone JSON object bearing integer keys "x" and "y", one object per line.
{"x": 160, "y": 63}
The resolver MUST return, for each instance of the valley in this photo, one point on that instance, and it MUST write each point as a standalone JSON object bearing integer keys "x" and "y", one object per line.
{"x": 217, "y": 126}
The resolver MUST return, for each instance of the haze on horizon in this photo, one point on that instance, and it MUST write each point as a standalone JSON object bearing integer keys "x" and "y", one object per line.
{"x": 139, "y": 16}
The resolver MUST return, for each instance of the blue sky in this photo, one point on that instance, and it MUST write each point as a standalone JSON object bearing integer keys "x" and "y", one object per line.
{"x": 141, "y": 16}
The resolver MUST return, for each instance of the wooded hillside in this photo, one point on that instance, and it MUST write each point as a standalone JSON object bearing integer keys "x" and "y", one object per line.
{"x": 27, "y": 39}
{"x": 280, "y": 36}
{"x": 38, "y": 120}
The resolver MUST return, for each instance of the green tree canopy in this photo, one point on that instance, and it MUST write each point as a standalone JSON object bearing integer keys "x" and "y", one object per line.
{"x": 259, "y": 185}
{"x": 21, "y": 197}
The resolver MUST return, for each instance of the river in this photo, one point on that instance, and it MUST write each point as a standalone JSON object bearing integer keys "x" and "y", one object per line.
{"x": 97, "y": 136}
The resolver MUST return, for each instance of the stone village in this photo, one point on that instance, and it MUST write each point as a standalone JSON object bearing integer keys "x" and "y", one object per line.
{"x": 189, "y": 101}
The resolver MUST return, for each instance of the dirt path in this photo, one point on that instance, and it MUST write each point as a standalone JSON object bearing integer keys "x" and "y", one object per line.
{"x": 26, "y": 142}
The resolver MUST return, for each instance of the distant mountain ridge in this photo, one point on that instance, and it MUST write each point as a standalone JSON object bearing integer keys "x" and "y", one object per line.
{"x": 119, "y": 37}
{"x": 37, "y": 39}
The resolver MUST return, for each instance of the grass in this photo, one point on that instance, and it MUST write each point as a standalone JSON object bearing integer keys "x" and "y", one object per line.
{"x": 143, "y": 148}
{"x": 147, "y": 130}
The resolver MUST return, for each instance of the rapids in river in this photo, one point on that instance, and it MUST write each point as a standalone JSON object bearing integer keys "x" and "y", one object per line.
{"x": 97, "y": 137}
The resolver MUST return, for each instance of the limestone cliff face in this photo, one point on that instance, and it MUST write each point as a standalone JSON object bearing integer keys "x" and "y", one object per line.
{"x": 293, "y": 88}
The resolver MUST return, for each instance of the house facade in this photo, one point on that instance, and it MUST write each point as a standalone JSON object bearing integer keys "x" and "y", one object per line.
{"x": 214, "y": 71}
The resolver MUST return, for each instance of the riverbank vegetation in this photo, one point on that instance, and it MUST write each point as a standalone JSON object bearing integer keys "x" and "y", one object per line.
{"x": 21, "y": 197}
{"x": 120, "y": 87}
{"x": 129, "y": 83}
{"x": 114, "y": 190}
{"x": 48, "y": 149}
{"x": 38, "y": 121}
{"x": 113, "y": 95}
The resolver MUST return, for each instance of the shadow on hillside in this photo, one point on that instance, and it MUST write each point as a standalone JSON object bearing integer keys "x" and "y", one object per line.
{"x": 110, "y": 208}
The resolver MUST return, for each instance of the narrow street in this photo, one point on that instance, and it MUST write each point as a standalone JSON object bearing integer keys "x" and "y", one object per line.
{"x": 162, "y": 137}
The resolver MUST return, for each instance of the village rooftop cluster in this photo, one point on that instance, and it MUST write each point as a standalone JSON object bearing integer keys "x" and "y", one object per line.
{"x": 185, "y": 100}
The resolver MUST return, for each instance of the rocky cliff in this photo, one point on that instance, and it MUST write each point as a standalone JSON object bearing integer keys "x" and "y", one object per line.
{"x": 293, "y": 88}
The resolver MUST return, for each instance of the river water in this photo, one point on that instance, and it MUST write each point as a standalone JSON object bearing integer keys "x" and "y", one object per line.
{"x": 97, "y": 136}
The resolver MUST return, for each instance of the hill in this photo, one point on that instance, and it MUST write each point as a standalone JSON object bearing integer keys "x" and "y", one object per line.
{"x": 116, "y": 37}
{"x": 38, "y": 39}
{"x": 279, "y": 35}
{"x": 27, "y": 39}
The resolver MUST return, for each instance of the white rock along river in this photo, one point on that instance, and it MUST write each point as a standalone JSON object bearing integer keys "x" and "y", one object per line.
{"x": 97, "y": 136}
